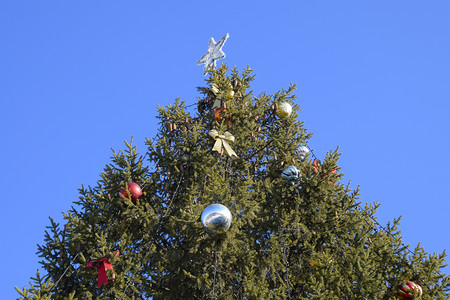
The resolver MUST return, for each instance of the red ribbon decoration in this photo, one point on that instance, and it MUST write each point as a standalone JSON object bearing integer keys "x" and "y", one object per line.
{"x": 102, "y": 264}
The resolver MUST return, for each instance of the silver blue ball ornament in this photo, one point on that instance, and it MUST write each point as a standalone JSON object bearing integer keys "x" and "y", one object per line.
{"x": 291, "y": 175}
{"x": 216, "y": 218}
{"x": 301, "y": 152}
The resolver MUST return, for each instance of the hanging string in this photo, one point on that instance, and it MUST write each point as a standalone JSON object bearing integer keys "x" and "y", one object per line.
{"x": 190, "y": 105}
{"x": 106, "y": 232}
{"x": 70, "y": 265}
{"x": 286, "y": 263}
{"x": 403, "y": 245}
{"x": 346, "y": 261}
{"x": 341, "y": 250}
{"x": 378, "y": 227}
{"x": 335, "y": 233}
{"x": 110, "y": 226}
{"x": 158, "y": 228}
{"x": 214, "y": 278}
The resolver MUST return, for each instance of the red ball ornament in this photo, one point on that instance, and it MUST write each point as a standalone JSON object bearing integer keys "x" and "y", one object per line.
{"x": 134, "y": 190}
{"x": 409, "y": 291}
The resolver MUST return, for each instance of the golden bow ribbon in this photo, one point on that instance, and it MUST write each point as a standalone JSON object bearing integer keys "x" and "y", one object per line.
{"x": 222, "y": 139}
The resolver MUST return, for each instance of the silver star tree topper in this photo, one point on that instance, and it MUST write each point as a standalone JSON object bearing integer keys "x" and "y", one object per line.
{"x": 214, "y": 52}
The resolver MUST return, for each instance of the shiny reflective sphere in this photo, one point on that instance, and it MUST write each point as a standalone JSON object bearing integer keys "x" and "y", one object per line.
{"x": 216, "y": 218}
{"x": 301, "y": 152}
{"x": 291, "y": 175}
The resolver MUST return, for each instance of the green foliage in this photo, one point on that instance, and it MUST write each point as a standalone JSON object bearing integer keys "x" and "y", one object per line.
{"x": 308, "y": 241}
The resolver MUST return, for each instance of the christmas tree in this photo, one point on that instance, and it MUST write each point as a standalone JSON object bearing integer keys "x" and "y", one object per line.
{"x": 229, "y": 202}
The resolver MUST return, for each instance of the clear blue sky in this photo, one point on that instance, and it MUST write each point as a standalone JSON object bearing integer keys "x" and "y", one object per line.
{"x": 78, "y": 78}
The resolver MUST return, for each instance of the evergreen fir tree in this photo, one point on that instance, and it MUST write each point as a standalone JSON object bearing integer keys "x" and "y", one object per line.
{"x": 308, "y": 240}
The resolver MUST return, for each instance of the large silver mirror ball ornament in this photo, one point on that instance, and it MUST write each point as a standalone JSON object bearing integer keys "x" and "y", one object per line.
{"x": 216, "y": 218}
{"x": 284, "y": 110}
{"x": 291, "y": 175}
{"x": 301, "y": 152}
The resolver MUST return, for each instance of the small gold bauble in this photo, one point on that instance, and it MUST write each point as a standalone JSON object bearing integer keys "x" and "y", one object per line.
{"x": 284, "y": 110}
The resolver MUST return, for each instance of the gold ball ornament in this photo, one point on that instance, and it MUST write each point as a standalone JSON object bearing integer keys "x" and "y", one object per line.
{"x": 284, "y": 110}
